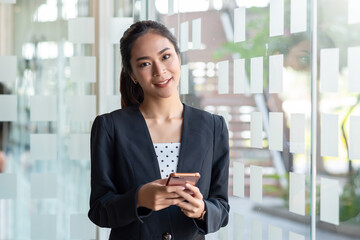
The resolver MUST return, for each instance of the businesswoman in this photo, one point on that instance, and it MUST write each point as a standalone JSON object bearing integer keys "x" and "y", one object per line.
{"x": 133, "y": 150}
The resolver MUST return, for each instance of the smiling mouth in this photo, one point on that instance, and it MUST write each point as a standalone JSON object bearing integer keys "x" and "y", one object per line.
{"x": 164, "y": 82}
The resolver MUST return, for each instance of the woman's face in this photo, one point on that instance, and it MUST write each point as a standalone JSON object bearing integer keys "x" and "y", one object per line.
{"x": 298, "y": 57}
{"x": 155, "y": 66}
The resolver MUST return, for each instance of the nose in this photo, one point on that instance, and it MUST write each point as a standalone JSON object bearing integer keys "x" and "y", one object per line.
{"x": 158, "y": 69}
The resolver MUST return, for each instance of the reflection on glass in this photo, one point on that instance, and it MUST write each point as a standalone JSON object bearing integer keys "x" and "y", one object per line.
{"x": 43, "y": 68}
{"x": 47, "y": 12}
{"x": 69, "y": 9}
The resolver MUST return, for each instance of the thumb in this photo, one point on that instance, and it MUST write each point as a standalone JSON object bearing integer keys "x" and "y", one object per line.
{"x": 161, "y": 181}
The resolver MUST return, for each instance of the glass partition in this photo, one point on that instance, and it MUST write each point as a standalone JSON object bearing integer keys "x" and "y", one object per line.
{"x": 47, "y": 105}
{"x": 253, "y": 68}
{"x": 338, "y": 173}
{"x": 252, "y": 62}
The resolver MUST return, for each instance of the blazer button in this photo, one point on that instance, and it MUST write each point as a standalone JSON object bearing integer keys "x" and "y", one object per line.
{"x": 166, "y": 236}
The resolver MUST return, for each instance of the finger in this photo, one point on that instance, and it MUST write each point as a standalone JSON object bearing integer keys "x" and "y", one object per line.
{"x": 184, "y": 206}
{"x": 169, "y": 202}
{"x": 171, "y": 195}
{"x": 167, "y": 189}
{"x": 161, "y": 181}
{"x": 189, "y": 192}
{"x": 170, "y": 189}
{"x": 195, "y": 190}
{"x": 165, "y": 195}
{"x": 187, "y": 213}
{"x": 190, "y": 214}
{"x": 188, "y": 197}
{"x": 157, "y": 207}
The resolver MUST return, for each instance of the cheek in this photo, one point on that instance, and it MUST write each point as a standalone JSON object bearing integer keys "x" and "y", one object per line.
{"x": 175, "y": 66}
{"x": 144, "y": 74}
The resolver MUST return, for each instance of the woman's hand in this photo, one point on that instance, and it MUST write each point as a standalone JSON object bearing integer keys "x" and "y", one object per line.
{"x": 195, "y": 205}
{"x": 156, "y": 196}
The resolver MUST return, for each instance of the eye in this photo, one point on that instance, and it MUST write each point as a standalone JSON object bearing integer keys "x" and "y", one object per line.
{"x": 304, "y": 61}
{"x": 166, "y": 56}
{"x": 144, "y": 64}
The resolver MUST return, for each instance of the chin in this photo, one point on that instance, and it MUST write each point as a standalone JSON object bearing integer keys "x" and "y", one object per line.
{"x": 169, "y": 94}
{"x": 165, "y": 96}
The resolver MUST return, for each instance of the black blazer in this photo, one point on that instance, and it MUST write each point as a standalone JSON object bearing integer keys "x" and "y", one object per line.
{"x": 123, "y": 158}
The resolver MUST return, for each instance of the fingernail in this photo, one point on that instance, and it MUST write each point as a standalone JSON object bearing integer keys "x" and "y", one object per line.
{"x": 182, "y": 188}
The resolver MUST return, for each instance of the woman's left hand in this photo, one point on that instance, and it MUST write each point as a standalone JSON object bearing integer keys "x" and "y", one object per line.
{"x": 195, "y": 205}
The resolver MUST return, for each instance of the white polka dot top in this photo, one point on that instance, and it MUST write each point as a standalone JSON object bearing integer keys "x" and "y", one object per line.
{"x": 168, "y": 156}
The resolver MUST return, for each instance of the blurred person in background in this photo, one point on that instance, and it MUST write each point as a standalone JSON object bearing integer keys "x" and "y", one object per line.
{"x": 4, "y": 127}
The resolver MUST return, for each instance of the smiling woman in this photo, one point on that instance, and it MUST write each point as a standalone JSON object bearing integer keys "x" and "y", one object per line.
{"x": 136, "y": 148}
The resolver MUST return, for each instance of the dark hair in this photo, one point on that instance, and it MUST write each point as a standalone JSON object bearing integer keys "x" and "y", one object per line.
{"x": 131, "y": 93}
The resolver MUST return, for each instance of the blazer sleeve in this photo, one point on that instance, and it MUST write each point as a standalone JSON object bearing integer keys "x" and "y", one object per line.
{"x": 216, "y": 205}
{"x": 108, "y": 207}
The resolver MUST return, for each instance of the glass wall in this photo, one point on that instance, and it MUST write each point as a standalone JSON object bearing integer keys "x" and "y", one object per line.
{"x": 47, "y": 106}
{"x": 283, "y": 73}
{"x": 253, "y": 68}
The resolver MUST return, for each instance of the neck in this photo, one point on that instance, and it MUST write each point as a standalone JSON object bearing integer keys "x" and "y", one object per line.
{"x": 162, "y": 109}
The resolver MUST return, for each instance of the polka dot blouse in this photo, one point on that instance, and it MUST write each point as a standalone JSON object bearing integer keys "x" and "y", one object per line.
{"x": 168, "y": 156}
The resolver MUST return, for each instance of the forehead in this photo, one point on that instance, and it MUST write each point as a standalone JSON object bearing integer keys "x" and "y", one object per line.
{"x": 304, "y": 45}
{"x": 150, "y": 44}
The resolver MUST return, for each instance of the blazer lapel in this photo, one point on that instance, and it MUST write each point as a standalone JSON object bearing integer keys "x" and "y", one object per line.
{"x": 147, "y": 155}
{"x": 193, "y": 142}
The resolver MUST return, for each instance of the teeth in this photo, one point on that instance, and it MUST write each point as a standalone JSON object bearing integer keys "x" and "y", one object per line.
{"x": 163, "y": 82}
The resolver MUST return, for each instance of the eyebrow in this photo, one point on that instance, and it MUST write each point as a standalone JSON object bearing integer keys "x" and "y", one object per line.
{"x": 305, "y": 51}
{"x": 146, "y": 57}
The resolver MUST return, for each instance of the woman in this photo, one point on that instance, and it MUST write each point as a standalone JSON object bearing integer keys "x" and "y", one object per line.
{"x": 133, "y": 150}
{"x": 4, "y": 133}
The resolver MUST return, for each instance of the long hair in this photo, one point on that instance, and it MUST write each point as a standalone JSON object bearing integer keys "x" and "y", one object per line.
{"x": 131, "y": 93}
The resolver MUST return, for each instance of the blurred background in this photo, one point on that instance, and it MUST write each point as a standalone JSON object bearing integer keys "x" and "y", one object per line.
{"x": 251, "y": 61}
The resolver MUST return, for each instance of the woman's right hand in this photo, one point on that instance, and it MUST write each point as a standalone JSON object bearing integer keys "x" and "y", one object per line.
{"x": 156, "y": 195}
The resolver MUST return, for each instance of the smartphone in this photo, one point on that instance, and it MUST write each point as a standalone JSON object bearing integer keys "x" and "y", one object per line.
{"x": 180, "y": 179}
